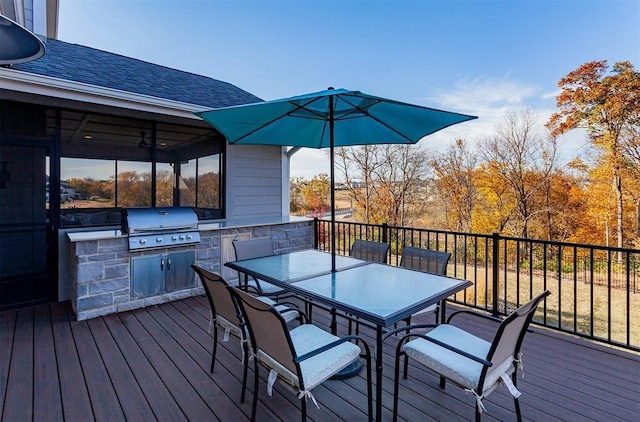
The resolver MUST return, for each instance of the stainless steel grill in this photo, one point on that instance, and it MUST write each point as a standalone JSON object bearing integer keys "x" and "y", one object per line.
{"x": 160, "y": 227}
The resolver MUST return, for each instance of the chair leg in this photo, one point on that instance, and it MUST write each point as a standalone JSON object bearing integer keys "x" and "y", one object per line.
{"x": 255, "y": 391}
{"x": 518, "y": 413}
{"x": 215, "y": 347}
{"x": 443, "y": 382}
{"x": 303, "y": 403}
{"x": 245, "y": 369}
{"x": 514, "y": 378}
{"x": 478, "y": 414}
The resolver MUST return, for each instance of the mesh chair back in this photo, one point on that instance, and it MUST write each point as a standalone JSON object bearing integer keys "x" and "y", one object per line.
{"x": 219, "y": 298}
{"x": 510, "y": 334}
{"x": 426, "y": 260}
{"x": 370, "y": 251}
{"x": 253, "y": 248}
{"x": 267, "y": 329}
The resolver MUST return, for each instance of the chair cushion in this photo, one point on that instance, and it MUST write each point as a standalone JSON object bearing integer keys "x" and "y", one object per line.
{"x": 317, "y": 369}
{"x": 449, "y": 364}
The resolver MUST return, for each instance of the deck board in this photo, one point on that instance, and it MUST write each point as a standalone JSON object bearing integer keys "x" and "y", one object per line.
{"x": 103, "y": 396}
{"x": 45, "y": 371}
{"x": 19, "y": 399}
{"x": 153, "y": 364}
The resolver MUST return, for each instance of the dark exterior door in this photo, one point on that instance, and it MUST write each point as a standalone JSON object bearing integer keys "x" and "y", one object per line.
{"x": 27, "y": 237}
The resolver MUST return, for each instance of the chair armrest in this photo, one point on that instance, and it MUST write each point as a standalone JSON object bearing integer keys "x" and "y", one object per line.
{"x": 474, "y": 313}
{"x": 289, "y": 304}
{"x": 304, "y": 319}
{"x": 331, "y": 346}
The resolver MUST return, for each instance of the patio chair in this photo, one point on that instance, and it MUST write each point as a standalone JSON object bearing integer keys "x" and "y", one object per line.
{"x": 368, "y": 250}
{"x": 258, "y": 248}
{"x": 224, "y": 315}
{"x": 299, "y": 359}
{"x": 468, "y": 361}
{"x": 428, "y": 261}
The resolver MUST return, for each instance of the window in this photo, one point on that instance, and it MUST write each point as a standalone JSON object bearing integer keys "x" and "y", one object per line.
{"x": 110, "y": 162}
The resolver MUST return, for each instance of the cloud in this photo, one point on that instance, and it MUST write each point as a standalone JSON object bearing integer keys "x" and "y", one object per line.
{"x": 548, "y": 95}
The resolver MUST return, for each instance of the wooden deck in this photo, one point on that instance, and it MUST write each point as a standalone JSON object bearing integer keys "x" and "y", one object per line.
{"x": 153, "y": 364}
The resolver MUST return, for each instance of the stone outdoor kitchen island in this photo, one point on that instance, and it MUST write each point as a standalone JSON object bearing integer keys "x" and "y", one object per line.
{"x": 102, "y": 267}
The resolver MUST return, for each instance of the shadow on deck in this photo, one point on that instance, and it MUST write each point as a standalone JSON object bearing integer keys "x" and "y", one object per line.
{"x": 153, "y": 364}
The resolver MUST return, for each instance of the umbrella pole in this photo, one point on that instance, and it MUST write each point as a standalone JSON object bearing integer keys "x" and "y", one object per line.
{"x": 332, "y": 181}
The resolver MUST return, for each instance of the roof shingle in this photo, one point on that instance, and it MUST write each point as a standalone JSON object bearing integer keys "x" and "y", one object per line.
{"x": 78, "y": 63}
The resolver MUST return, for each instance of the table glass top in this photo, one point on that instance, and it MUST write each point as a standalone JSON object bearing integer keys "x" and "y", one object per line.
{"x": 382, "y": 291}
{"x": 295, "y": 265}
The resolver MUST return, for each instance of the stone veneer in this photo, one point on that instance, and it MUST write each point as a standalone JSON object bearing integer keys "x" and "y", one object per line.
{"x": 101, "y": 269}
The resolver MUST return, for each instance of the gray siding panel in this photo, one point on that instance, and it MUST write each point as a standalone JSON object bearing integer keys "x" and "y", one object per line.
{"x": 254, "y": 181}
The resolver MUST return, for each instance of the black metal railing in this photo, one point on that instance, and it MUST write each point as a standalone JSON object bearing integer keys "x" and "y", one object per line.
{"x": 595, "y": 290}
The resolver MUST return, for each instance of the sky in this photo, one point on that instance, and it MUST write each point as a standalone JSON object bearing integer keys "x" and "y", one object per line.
{"x": 478, "y": 57}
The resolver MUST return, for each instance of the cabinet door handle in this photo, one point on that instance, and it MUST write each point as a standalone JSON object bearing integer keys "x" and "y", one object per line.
{"x": 162, "y": 264}
{"x": 168, "y": 264}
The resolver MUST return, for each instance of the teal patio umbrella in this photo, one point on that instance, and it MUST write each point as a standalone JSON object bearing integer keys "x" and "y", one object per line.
{"x": 329, "y": 119}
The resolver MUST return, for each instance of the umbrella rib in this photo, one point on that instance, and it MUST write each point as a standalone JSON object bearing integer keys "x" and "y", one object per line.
{"x": 297, "y": 107}
{"x": 364, "y": 111}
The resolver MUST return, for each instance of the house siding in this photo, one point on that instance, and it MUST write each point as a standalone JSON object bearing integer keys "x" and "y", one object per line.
{"x": 254, "y": 181}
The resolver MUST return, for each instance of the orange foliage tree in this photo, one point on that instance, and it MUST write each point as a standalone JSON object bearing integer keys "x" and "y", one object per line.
{"x": 608, "y": 107}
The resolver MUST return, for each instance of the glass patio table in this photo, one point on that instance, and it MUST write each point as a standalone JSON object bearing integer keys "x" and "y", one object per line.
{"x": 376, "y": 293}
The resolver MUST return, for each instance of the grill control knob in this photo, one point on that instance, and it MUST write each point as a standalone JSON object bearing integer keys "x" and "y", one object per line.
{"x": 181, "y": 237}
{"x": 143, "y": 242}
{"x": 188, "y": 237}
{"x": 174, "y": 238}
{"x": 159, "y": 239}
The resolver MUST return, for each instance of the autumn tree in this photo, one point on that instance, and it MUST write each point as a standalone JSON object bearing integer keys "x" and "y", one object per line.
{"x": 454, "y": 171}
{"x": 390, "y": 181}
{"x": 316, "y": 193}
{"x": 134, "y": 189}
{"x": 296, "y": 184}
{"x": 630, "y": 147}
{"x": 608, "y": 107}
{"x": 164, "y": 188}
{"x": 518, "y": 161}
{"x": 357, "y": 165}
{"x": 209, "y": 190}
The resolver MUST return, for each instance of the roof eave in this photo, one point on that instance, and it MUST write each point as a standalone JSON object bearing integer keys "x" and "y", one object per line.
{"x": 32, "y": 83}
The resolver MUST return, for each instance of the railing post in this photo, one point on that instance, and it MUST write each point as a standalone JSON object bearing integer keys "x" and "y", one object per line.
{"x": 315, "y": 232}
{"x": 496, "y": 269}
{"x": 385, "y": 236}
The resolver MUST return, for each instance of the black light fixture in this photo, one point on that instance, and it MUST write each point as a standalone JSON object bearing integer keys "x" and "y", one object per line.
{"x": 143, "y": 143}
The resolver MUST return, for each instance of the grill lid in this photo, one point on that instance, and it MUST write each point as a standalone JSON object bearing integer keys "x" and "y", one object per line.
{"x": 158, "y": 219}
